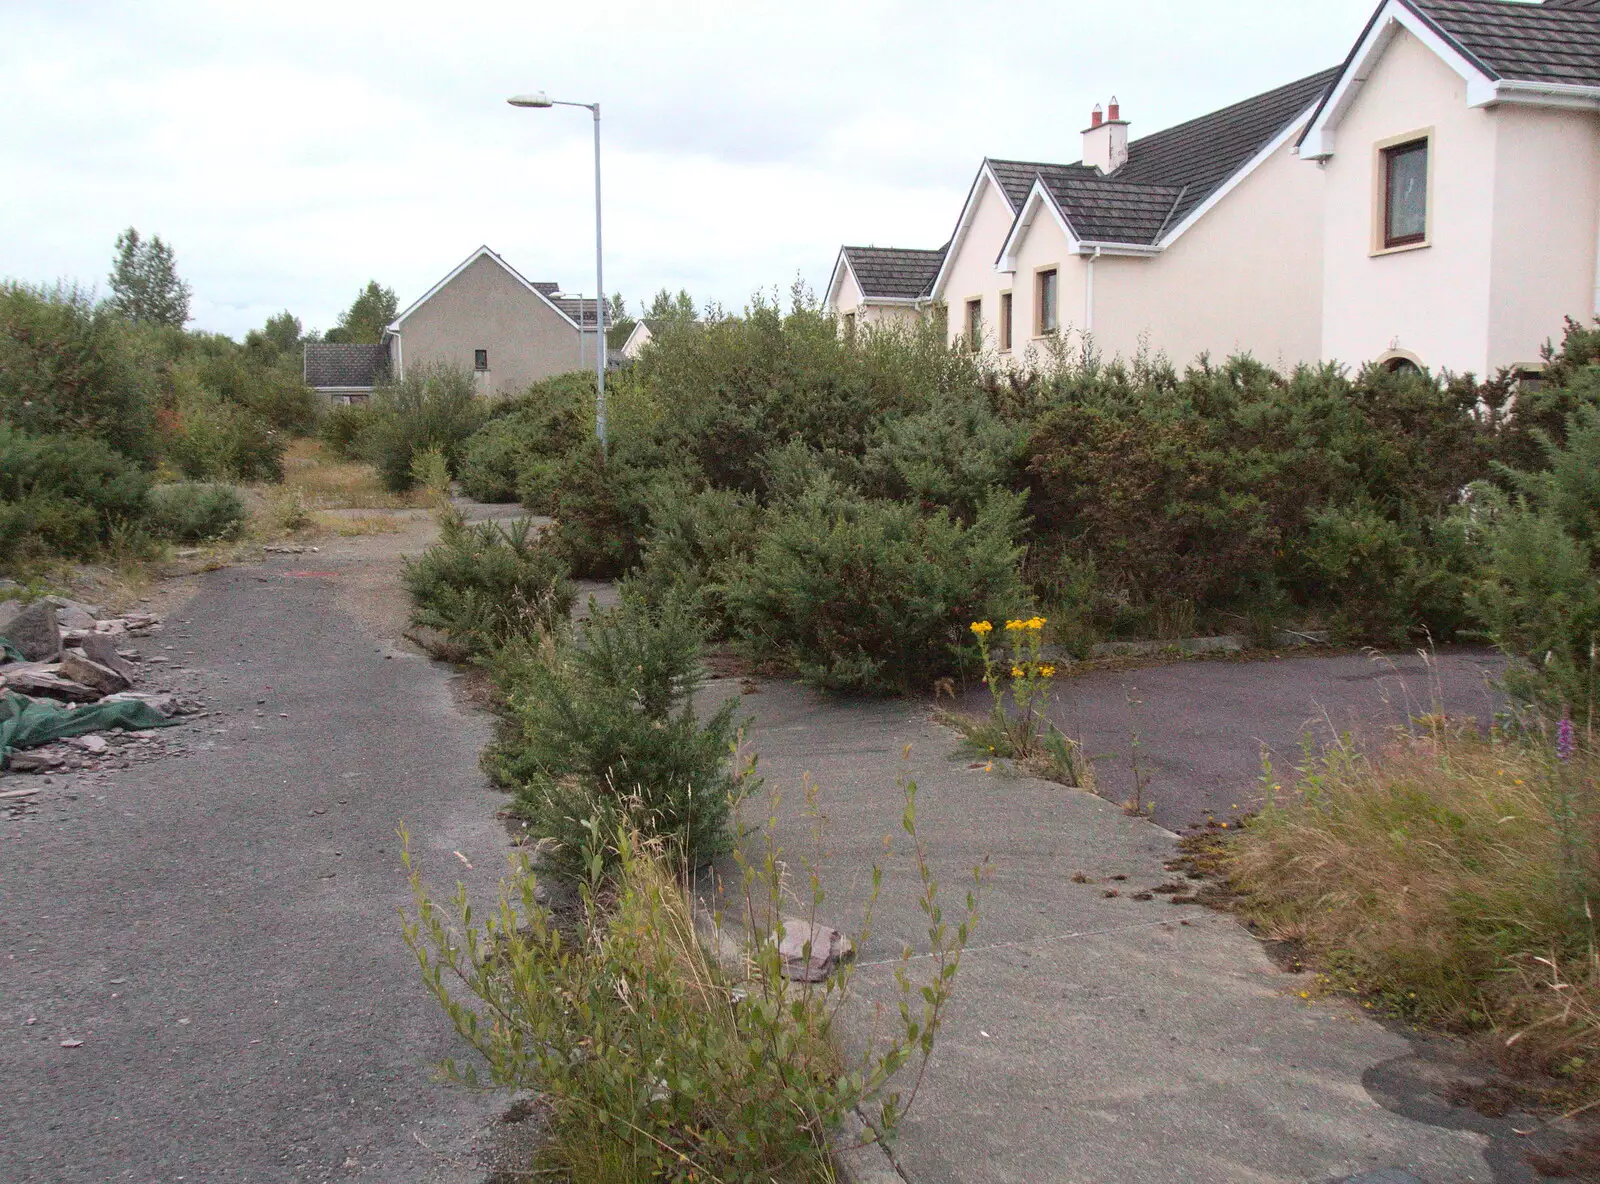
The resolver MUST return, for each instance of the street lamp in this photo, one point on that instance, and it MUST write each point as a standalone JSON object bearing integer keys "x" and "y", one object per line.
{"x": 540, "y": 99}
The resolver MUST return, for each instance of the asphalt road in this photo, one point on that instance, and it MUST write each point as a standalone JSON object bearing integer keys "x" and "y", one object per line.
{"x": 1201, "y": 726}
{"x": 219, "y": 929}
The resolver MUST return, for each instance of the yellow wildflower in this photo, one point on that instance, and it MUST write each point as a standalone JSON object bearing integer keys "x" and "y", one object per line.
{"x": 1016, "y": 672}
{"x": 1014, "y": 626}
{"x": 1048, "y": 671}
{"x": 982, "y": 627}
{"x": 1036, "y": 624}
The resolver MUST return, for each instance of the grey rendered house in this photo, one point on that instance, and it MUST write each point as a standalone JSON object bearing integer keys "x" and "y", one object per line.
{"x": 484, "y": 317}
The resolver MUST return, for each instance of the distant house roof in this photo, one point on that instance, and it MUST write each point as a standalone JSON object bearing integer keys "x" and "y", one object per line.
{"x": 1557, "y": 41}
{"x": 340, "y": 367}
{"x": 894, "y": 273}
{"x": 1169, "y": 174}
{"x": 577, "y": 309}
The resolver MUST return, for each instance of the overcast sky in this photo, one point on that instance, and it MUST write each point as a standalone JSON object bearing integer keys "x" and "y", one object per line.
{"x": 291, "y": 151}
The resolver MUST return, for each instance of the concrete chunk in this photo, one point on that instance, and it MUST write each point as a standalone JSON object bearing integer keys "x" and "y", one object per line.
{"x": 81, "y": 669}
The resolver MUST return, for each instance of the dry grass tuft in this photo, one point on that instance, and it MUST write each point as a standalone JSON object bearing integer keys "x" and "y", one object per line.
{"x": 326, "y": 483}
{"x": 1451, "y": 878}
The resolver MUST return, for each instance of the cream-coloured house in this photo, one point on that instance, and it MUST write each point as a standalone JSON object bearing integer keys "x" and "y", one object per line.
{"x": 882, "y": 285}
{"x": 483, "y": 317}
{"x": 1435, "y": 201}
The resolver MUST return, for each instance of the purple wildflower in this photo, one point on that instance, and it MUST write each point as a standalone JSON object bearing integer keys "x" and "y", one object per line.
{"x": 1566, "y": 740}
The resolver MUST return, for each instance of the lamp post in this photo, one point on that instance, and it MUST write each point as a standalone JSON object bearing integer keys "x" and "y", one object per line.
{"x": 540, "y": 99}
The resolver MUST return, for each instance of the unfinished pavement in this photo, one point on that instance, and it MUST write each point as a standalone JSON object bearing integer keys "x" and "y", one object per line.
{"x": 220, "y": 930}
{"x": 1091, "y": 1039}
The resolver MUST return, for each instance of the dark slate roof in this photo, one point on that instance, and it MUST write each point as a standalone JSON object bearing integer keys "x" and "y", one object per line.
{"x": 339, "y": 365}
{"x": 1550, "y": 42}
{"x": 1169, "y": 173}
{"x": 545, "y": 287}
{"x": 895, "y": 273}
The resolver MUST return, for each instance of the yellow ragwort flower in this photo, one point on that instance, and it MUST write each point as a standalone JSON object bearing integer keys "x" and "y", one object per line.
{"x": 1048, "y": 671}
{"x": 1016, "y": 672}
{"x": 1036, "y": 624}
{"x": 982, "y": 627}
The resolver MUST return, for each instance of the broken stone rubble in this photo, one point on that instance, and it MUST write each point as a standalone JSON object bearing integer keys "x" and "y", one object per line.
{"x": 829, "y": 948}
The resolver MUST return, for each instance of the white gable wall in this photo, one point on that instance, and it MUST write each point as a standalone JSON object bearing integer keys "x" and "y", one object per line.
{"x": 1431, "y": 302}
{"x": 970, "y": 273}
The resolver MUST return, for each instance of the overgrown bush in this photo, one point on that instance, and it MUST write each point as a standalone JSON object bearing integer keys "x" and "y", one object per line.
{"x": 484, "y": 584}
{"x": 340, "y": 429}
{"x": 276, "y": 397}
{"x": 601, "y": 736}
{"x": 602, "y": 510}
{"x": 870, "y": 595}
{"x": 64, "y": 494}
{"x": 69, "y": 366}
{"x": 196, "y": 512}
{"x": 431, "y": 407}
{"x": 697, "y": 543}
{"x": 518, "y": 453}
{"x": 209, "y": 438}
{"x": 1539, "y": 598}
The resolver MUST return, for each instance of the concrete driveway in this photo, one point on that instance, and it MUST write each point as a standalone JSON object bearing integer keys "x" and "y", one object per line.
{"x": 220, "y": 929}
{"x": 1202, "y": 725}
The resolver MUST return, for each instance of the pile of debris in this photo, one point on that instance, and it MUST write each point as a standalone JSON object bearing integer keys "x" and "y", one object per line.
{"x": 66, "y": 669}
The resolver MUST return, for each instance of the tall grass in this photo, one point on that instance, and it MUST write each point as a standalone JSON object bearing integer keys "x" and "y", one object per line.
{"x": 1453, "y": 877}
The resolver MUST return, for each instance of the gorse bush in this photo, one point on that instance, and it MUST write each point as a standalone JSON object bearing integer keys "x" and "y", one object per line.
{"x": 601, "y": 736}
{"x": 516, "y": 453}
{"x": 209, "y": 438}
{"x": 64, "y": 494}
{"x": 484, "y": 584}
{"x": 697, "y": 543}
{"x": 1539, "y": 595}
{"x": 863, "y": 594}
{"x": 196, "y": 512}
{"x": 601, "y": 508}
{"x": 340, "y": 429}
{"x": 431, "y": 407}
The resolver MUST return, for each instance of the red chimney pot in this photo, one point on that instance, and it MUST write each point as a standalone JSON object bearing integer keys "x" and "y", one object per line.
{"x": 1116, "y": 109}
{"x": 1096, "y": 117}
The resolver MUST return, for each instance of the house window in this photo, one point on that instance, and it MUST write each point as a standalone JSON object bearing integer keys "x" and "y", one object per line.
{"x": 849, "y": 326}
{"x": 1405, "y": 194}
{"x": 1047, "y": 321}
{"x": 480, "y": 359}
{"x": 1005, "y": 321}
{"x": 975, "y": 324}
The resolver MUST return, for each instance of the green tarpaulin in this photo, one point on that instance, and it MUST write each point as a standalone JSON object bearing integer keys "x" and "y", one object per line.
{"x": 28, "y": 723}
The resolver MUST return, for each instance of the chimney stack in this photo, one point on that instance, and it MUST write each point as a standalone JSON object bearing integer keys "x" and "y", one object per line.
{"x": 1105, "y": 141}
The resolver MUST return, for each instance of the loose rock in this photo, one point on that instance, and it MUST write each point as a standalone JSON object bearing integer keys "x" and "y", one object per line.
{"x": 98, "y": 647}
{"x": 829, "y": 947}
{"x": 33, "y": 631}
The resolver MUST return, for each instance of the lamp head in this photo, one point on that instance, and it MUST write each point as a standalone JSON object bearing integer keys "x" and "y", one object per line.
{"x": 537, "y": 99}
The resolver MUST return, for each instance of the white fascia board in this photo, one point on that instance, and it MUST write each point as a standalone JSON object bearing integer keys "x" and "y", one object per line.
{"x": 894, "y": 301}
{"x": 1274, "y": 146}
{"x": 1131, "y": 250}
{"x": 1039, "y": 198}
{"x": 1391, "y": 17}
{"x": 481, "y": 252}
{"x": 985, "y": 177}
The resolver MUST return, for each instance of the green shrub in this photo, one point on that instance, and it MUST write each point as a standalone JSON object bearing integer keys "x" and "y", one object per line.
{"x": 68, "y": 366}
{"x": 697, "y": 543}
{"x": 602, "y": 510}
{"x": 277, "y": 398}
{"x": 340, "y": 429}
{"x": 64, "y": 495}
{"x": 431, "y": 407}
{"x": 483, "y": 584}
{"x": 951, "y": 454}
{"x": 601, "y": 731}
{"x": 870, "y": 595}
{"x": 516, "y": 455}
{"x": 491, "y": 464}
{"x": 212, "y": 439}
{"x": 196, "y": 512}
{"x": 1539, "y": 597}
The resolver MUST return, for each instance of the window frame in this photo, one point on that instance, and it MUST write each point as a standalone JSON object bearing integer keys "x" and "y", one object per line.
{"x": 972, "y": 324}
{"x": 1041, "y": 276}
{"x": 850, "y": 325}
{"x": 1384, "y": 153}
{"x": 1007, "y": 320}
{"x": 480, "y": 361}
